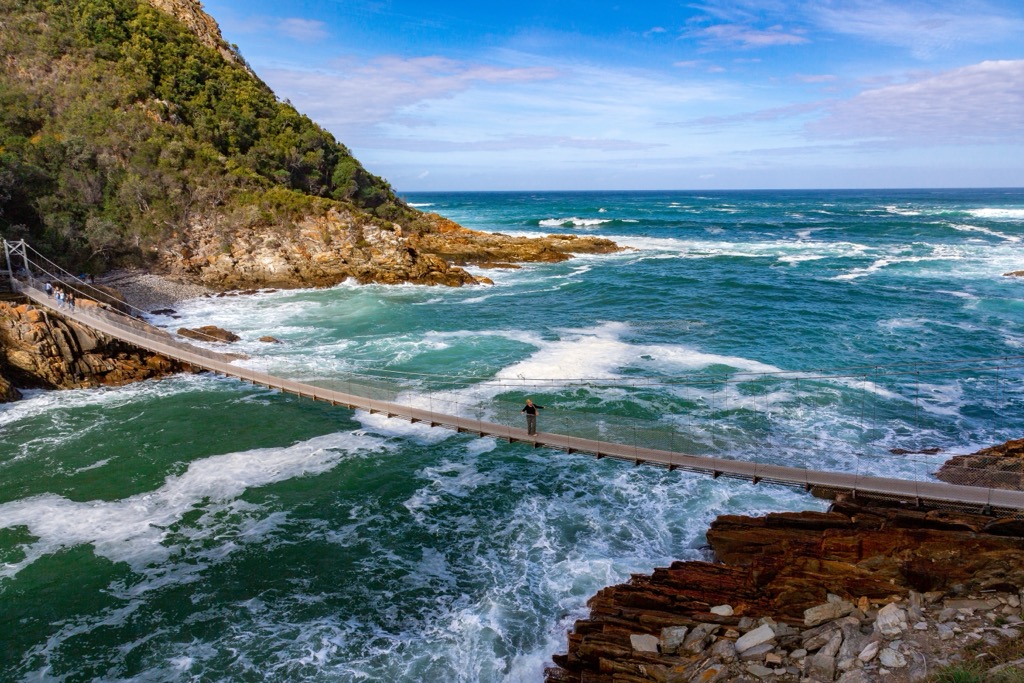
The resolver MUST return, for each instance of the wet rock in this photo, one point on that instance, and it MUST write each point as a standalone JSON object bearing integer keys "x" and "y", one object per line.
{"x": 267, "y": 339}
{"x": 209, "y": 333}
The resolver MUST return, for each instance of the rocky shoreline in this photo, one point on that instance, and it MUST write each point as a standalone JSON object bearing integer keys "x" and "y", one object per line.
{"x": 44, "y": 350}
{"x": 858, "y": 594}
{"x": 324, "y": 249}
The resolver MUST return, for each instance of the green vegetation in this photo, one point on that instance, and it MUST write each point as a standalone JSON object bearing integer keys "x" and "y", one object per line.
{"x": 118, "y": 128}
{"x": 1003, "y": 663}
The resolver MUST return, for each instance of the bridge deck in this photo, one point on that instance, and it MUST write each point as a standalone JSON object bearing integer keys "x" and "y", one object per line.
{"x": 935, "y": 492}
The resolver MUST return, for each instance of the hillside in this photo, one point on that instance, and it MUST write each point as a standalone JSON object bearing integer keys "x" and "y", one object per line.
{"x": 132, "y": 134}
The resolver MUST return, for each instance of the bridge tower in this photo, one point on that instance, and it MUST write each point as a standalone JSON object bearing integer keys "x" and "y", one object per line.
{"x": 14, "y": 250}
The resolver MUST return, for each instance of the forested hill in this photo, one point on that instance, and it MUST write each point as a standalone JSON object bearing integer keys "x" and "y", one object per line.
{"x": 125, "y": 124}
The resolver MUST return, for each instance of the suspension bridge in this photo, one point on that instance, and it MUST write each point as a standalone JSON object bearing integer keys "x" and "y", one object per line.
{"x": 27, "y": 277}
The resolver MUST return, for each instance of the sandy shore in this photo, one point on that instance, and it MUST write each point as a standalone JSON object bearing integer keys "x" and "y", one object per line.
{"x": 149, "y": 292}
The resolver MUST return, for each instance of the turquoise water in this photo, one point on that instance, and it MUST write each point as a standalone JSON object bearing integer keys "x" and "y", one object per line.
{"x": 200, "y": 529}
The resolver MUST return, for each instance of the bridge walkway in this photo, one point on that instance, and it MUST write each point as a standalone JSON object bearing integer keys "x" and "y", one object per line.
{"x": 933, "y": 492}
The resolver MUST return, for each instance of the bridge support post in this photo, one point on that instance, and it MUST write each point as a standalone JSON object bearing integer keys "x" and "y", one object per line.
{"x": 12, "y": 249}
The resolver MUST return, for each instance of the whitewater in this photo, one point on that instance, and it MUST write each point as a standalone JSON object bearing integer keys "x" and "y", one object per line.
{"x": 197, "y": 528}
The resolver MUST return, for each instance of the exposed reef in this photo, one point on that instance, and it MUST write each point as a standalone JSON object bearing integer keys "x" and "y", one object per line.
{"x": 855, "y": 594}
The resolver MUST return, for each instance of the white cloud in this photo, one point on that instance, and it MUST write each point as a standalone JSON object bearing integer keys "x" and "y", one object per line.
{"x": 924, "y": 28}
{"x": 977, "y": 103}
{"x": 740, "y": 35}
{"x": 304, "y": 30}
{"x": 359, "y": 95}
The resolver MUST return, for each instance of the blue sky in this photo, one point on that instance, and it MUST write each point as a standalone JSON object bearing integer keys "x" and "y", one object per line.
{"x": 652, "y": 95}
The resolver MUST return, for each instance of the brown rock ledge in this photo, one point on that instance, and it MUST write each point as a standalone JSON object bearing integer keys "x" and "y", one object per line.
{"x": 328, "y": 248}
{"x": 798, "y": 579}
{"x": 999, "y": 467}
{"x": 43, "y": 350}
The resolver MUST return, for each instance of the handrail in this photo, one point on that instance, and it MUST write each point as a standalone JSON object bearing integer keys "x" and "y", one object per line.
{"x": 158, "y": 341}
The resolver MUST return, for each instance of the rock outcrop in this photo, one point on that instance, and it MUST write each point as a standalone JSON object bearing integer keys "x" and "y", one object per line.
{"x": 43, "y": 350}
{"x": 209, "y": 333}
{"x": 999, "y": 467}
{"x": 325, "y": 249}
{"x": 191, "y": 14}
{"x": 804, "y": 594}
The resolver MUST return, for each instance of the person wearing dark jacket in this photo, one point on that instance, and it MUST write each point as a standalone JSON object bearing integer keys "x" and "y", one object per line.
{"x": 531, "y": 409}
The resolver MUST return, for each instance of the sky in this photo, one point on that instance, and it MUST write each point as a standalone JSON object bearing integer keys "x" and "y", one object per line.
{"x": 651, "y": 94}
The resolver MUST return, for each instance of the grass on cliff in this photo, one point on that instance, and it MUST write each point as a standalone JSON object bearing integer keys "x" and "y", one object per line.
{"x": 985, "y": 665}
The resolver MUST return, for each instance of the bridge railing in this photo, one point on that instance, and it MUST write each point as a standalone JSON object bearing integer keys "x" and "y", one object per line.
{"x": 556, "y": 422}
{"x": 641, "y": 434}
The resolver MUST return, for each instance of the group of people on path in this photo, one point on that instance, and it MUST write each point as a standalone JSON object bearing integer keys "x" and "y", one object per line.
{"x": 64, "y": 297}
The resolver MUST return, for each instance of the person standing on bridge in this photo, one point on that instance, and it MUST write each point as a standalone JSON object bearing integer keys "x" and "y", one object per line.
{"x": 531, "y": 409}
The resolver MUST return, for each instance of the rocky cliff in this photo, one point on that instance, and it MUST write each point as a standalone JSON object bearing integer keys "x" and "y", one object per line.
{"x": 328, "y": 248}
{"x": 41, "y": 349}
{"x": 190, "y": 13}
{"x": 132, "y": 135}
{"x": 795, "y": 573}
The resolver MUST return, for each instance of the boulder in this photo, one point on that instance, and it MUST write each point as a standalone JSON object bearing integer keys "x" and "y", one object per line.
{"x": 820, "y": 667}
{"x": 209, "y": 333}
{"x": 827, "y": 611}
{"x": 869, "y": 651}
{"x": 698, "y": 638}
{"x": 891, "y": 659}
{"x": 760, "y": 635}
{"x": 672, "y": 638}
{"x": 891, "y": 620}
{"x": 644, "y": 642}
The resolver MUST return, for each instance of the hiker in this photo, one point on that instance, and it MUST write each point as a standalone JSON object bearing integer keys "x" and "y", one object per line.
{"x": 531, "y": 409}
{"x": 49, "y": 290}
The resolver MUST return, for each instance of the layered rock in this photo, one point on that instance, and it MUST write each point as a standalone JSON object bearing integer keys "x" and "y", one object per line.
{"x": 1000, "y": 467}
{"x": 41, "y": 349}
{"x": 331, "y": 247}
{"x": 800, "y": 571}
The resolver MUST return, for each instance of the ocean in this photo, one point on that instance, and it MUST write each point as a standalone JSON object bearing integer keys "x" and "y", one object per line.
{"x": 200, "y": 529}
